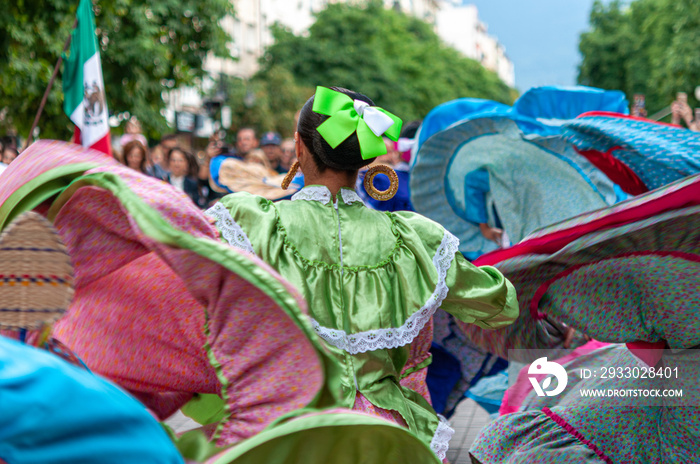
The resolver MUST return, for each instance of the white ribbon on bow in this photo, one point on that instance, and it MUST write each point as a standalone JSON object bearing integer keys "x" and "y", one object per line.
{"x": 377, "y": 121}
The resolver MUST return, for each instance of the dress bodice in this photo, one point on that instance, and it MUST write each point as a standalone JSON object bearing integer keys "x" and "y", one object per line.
{"x": 372, "y": 280}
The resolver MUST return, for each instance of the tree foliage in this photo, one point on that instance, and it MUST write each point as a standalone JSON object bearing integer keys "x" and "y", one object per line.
{"x": 266, "y": 102}
{"x": 648, "y": 47}
{"x": 147, "y": 47}
{"x": 396, "y": 59}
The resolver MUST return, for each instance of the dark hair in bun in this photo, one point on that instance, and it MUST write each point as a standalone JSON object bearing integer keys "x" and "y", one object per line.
{"x": 344, "y": 157}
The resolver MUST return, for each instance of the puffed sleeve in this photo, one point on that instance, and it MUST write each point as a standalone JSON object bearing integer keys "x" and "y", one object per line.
{"x": 244, "y": 221}
{"x": 479, "y": 295}
{"x": 476, "y": 295}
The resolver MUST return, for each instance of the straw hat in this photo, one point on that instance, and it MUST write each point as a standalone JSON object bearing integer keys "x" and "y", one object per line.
{"x": 36, "y": 275}
{"x": 251, "y": 177}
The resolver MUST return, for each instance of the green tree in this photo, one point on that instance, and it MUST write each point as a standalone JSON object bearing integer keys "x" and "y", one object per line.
{"x": 648, "y": 47}
{"x": 676, "y": 67}
{"x": 147, "y": 47}
{"x": 605, "y": 47}
{"x": 266, "y": 102}
{"x": 396, "y": 59}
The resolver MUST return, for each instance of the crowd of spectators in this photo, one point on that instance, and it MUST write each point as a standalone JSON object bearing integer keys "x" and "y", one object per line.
{"x": 195, "y": 174}
{"x": 8, "y": 151}
{"x": 171, "y": 160}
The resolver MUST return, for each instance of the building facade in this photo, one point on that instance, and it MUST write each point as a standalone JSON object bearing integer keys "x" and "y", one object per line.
{"x": 458, "y": 24}
{"x": 250, "y": 29}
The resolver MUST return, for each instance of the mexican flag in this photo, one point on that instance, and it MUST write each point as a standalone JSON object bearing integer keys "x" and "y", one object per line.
{"x": 83, "y": 86}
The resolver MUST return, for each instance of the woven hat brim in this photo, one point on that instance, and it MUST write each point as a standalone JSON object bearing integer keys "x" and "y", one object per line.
{"x": 36, "y": 275}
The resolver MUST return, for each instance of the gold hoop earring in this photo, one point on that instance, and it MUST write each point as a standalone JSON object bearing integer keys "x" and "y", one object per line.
{"x": 290, "y": 175}
{"x": 385, "y": 194}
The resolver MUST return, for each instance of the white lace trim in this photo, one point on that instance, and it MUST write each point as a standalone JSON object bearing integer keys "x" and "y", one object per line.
{"x": 441, "y": 440}
{"x": 313, "y": 193}
{"x": 322, "y": 194}
{"x": 350, "y": 196}
{"x": 394, "y": 337}
{"x": 230, "y": 230}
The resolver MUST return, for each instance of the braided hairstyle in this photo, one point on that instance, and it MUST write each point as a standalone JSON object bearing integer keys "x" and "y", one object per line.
{"x": 344, "y": 157}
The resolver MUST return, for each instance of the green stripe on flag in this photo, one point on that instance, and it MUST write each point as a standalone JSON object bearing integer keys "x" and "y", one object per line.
{"x": 83, "y": 47}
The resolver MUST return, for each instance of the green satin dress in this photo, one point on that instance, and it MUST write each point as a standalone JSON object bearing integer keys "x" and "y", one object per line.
{"x": 372, "y": 280}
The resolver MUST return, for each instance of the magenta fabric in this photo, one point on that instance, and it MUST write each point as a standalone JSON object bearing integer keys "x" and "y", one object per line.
{"x": 649, "y": 353}
{"x": 616, "y": 170}
{"x": 39, "y": 158}
{"x": 141, "y": 310}
{"x": 572, "y": 431}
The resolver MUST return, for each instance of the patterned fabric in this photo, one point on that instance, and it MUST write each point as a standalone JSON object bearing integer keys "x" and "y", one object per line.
{"x": 38, "y": 159}
{"x": 44, "y": 174}
{"x": 166, "y": 311}
{"x": 530, "y": 437}
{"x": 573, "y": 428}
{"x": 672, "y": 196}
{"x": 161, "y": 348}
{"x": 473, "y": 363}
{"x": 496, "y": 145}
{"x": 630, "y": 274}
{"x": 657, "y": 153}
{"x": 521, "y": 387}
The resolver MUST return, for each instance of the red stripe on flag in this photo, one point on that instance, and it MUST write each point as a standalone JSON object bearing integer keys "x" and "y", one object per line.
{"x": 104, "y": 144}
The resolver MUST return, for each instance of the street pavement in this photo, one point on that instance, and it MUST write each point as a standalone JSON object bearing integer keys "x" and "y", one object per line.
{"x": 467, "y": 421}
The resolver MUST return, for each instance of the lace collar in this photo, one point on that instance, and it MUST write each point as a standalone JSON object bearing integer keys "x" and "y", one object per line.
{"x": 321, "y": 194}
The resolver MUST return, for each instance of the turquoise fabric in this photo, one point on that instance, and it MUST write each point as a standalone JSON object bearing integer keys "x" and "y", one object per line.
{"x": 53, "y": 412}
{"x": 564, "y": 103}
{"x": 533, "y": 181}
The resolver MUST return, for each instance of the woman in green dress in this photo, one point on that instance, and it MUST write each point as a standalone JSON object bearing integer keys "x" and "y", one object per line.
{"x": 373, "y": 280}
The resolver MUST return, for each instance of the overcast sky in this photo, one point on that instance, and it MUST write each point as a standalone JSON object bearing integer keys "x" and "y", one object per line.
{"x": 540, "y": 36}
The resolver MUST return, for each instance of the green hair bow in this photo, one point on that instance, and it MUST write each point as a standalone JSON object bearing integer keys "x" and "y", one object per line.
{"x": 348, "y": 116}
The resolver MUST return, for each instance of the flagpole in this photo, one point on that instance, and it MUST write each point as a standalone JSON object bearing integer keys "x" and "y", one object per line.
{"x": 48, "y": 87}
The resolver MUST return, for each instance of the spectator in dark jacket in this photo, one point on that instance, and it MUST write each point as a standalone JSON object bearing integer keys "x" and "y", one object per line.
{"x": 183, "y": 169}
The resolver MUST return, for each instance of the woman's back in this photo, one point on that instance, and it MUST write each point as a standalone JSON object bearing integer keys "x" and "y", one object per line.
{"x": 359, "y": 269}
{"x": 372, "y": 280}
